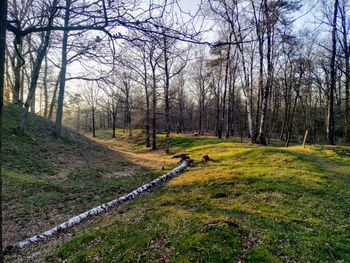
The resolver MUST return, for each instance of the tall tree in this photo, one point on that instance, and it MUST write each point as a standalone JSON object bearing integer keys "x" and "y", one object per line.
{"x": 90, "y": 96}
{"x": 333, "y": 76}
{"x": 269, "y": 21}
{"x": 343, "y": 11}
{"x": 37, "y": 62}
{"x": 3, "y": 24}
{"x": 62, "y": 76}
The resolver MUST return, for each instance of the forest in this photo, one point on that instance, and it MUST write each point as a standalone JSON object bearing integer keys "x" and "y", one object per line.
{"x": 101, "y": 97}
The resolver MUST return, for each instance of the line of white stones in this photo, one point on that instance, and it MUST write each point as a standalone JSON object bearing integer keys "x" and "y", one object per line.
{"x": 99, "y": 209}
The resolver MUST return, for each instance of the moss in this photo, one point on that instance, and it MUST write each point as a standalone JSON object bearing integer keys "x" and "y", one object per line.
{"x": 277, "y": 204}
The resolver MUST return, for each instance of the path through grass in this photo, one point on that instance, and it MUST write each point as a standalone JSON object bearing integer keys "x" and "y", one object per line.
{"x": 250, "y": 204}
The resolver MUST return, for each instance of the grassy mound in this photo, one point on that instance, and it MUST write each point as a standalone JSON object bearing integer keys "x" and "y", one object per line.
{"x": 48, "y": 180}
{"x": 250, "y": 204}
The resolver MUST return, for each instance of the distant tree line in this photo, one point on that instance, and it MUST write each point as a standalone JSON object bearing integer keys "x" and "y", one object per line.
{"x": 263, "y": 78}
{"x": 98, "y": 64}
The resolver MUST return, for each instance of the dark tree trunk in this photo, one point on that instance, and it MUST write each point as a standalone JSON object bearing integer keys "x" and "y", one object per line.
{"x": 180, "y": 127}
{"x": 17, "y": 64}
{"x": 231, "y": 103}
{"x": 290, "y": 122}
{"x": 148, "y": 144}
{"x": 200, "y": 119}
{"x": 78, "y": 120}
{"x": 93, "y": 122}
{"x": 330, "y": 115}
{"x": 166, "y": 98}
{"x": 154, "y": 108}
{"x": 114, "y": 119}
{"x": 3, "y": 23}
{"x": 128, "y": 108}
{"x": 46, "y": 95}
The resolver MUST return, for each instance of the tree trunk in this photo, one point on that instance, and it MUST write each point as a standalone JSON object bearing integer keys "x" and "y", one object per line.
{"x": 35, "y": 75}
{"x": 93, "y": 122}
{"x": 154, "y": 108}
{"x": 226, "y": 83}
{"x": 265, "y": 95}
{"x": 17, "y": 64}
{"x": 62, "y": 82}
{"x": 166, "y": 98}
{"x": 260, "y": 35}
{"x": 78, "y": 120}
{"x": 148, "y": 144}
{"x": 46, "y": 95}
{"x": 3, "y": 24}
{"x": 330, "y": 115}
{"x": 346, "y": 48}
{"x": 200, "y": 119}
{"x": 53, "y": 100}
{"x": 290, "y": 122}
{"x": 114, "y": 118}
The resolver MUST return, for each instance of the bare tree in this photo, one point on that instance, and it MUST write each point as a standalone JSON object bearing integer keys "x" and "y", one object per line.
{"x": 332, "y": 86}
{"x": 90, "y": 95}
{"x": 170, "y": 57}
{"x": 45, "y": 40}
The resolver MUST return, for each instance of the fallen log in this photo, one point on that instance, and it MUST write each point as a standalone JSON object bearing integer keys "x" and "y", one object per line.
{"x": 97, "y": 210}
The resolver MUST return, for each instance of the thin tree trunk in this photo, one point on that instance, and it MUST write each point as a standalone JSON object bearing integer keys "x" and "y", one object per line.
{"x": 93, "y": 122}
{"x": 53, "y": 100}
{"x": 290, "y": 122}
{"x": 78, "y": 120}
{"x": 232, "y": 102}
{"x": 18, "y": 62}
{"x": 35, "y": 75}
{"x": 330, "y": 115}
{"x": 166, "y": 97}
{"x": 200, "y": 119}
{"x": 46, "y": 95}
{"x": 154, "y": 109}
{"x": 114, "y": 118}
{"x": 148, "y": 144}
{"x": 226, "y": 83}
{"x": 347, "y": 73}
{"x": 62, "y": 84}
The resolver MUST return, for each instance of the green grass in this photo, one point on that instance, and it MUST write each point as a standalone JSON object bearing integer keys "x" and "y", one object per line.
{"x": 47, "y": 180}
{"x": 250, "y": 204}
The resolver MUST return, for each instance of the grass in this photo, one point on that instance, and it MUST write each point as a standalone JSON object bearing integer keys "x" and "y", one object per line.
{"x": 250, "y": 204}
{"x": 48, "y": 180}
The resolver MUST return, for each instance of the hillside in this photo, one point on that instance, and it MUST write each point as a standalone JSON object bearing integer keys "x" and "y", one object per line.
{"x": 48, "y": 180}
{"x": 249, "y": 204}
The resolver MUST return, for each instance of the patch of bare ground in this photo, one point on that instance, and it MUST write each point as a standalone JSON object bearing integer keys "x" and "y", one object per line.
{"x": 55, "y": 179}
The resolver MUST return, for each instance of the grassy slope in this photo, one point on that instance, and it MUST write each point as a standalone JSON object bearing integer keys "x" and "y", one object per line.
{"x": 48, "y": 180}
{"x": 254, "y": 204}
